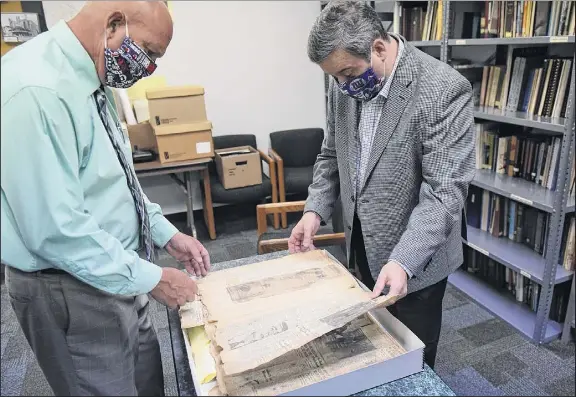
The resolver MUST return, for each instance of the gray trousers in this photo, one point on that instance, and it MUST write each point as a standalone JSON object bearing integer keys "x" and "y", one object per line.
{"x": 86, "y": 341}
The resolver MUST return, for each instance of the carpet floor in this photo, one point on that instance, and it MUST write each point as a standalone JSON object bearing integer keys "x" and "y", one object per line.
{"x": 479, "y": 355}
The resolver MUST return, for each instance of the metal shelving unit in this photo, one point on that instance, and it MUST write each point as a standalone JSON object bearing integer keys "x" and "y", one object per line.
{"x": 544, "y": 270}
{"x": 504, "y": 306}
{"x": 513, "y": 255}
{"x": 519, "y": 190}
{"x": 513, "y": 41}
{"x": 520, "y": 118}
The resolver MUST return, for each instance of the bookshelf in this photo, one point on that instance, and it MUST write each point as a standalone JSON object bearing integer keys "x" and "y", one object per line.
{"x": 442, "y": 38}
{"x": 545, "y": 270}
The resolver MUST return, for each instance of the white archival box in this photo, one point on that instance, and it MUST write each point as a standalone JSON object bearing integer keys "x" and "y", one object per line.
{"x": 406, "y": 364}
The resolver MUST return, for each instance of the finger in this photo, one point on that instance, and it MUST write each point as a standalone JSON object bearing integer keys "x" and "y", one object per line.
{"x": 181, "y": 300}
{"x": 196, "y": 256}
{"x": 205, "y": 259}
{"x": 296, "y": 239}
{"x": 307, "y": 240}
{"x": 195, "y": 267}
{"x": 189, "y": 267}
{"x": 291, "y": 244}
{"x": 380, "y": 285}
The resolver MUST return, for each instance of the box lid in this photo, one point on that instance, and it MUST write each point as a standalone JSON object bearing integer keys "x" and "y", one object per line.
{"x": 170, "y": 92}
{"x": 170, "y": 129}
{"x": 235, "y": 151}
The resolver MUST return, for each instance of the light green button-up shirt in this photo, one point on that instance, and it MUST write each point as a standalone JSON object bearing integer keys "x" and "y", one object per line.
{"x": 65, "y": 202}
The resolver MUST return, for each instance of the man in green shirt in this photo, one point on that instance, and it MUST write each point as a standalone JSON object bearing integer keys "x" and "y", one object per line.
{"x": 78, "y": 233}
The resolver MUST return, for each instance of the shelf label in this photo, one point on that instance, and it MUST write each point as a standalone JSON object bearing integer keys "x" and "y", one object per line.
{"x": 521, "y": 199}
{"x": 559, "y": 39}
{"x": 526, "y": 274}
{"x": 482, "y": 251}
{"x": 463, "y": 42}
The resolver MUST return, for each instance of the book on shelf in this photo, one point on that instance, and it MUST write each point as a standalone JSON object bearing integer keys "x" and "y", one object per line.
{"x": 524, "y": 290}
{"x": 505, "y": 150}
{"x": 523, "y": 18}
{"x": 421, "y": 22}
{"x": 506, "y": 218}
{"x": 568, "y": 248}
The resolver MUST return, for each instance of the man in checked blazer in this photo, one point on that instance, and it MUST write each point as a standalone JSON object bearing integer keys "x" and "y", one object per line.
{"x": 399, "y": 151}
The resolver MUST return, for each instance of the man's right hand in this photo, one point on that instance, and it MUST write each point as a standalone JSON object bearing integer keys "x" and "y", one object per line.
{"x": 301, "y": 237}
{"x": 175, "y": 288}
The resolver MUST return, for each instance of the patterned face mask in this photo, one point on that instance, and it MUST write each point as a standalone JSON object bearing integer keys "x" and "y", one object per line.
{"x": 126, "y": 65}
{"x": 364, "y": 87}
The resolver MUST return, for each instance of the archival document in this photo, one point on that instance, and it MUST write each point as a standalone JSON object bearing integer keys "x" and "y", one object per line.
{"x": 258, "y": 313}
{"x": 357, "y": 345}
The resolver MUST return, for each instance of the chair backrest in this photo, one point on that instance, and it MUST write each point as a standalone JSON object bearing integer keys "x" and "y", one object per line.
{"x": 228, "y": 141}
{"x": 298, "y": 148}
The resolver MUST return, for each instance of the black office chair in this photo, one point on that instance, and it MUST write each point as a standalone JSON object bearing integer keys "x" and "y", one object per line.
{"x": 250, "y": 194}
{"x": 295, "y": 152}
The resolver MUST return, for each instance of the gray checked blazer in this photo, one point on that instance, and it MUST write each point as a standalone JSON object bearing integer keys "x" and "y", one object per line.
{"x": 422, "y": 162}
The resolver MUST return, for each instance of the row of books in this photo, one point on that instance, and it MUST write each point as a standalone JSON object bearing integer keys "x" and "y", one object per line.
{"x": 536, "y": 85}
{"x": 506, "y": 218}
{"x": 534, "y": 158}
{"x": 421, "y": 23}
{"x": 519, "y": 287}
{"x": 527, "y": 18}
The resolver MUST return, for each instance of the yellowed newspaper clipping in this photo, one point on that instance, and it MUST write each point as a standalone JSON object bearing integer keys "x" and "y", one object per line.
{"x": 279, "y": 325}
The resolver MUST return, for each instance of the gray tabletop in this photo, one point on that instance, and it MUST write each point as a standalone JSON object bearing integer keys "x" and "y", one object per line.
{"x": 425, "y": 383}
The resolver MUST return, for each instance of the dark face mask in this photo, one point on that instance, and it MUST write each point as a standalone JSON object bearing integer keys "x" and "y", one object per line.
{"x": 364, "y": 87}
{"x": 126, "y": 65}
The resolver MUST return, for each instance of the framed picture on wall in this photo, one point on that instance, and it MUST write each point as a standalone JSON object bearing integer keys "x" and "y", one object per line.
{"x": 18, "y": 27}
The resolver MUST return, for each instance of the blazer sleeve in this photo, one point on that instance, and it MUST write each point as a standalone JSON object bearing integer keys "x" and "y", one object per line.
{"x": 447, "y": 170}
{"x": 325, "y": 187}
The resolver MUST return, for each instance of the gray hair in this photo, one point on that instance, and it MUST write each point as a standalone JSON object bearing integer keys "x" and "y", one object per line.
{"x": 351, "y": 25}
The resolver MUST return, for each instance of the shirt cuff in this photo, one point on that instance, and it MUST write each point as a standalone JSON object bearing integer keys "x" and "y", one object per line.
{"x": 149, "y": 276}
{"x": 163, "y": 231}
{"x": 408, "y": 272}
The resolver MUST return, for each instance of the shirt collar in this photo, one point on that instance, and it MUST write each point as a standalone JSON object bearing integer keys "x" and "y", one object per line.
{"x": 386, "y": 89}
{"x": 77, "y": 56}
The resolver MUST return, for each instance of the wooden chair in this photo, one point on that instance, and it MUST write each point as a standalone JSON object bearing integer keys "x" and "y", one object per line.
{"x": 278, "y": 240}
{"x": 295, "y": 153}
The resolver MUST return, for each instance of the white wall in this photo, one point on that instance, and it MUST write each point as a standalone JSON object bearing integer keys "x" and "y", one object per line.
{"x": 251, "y": 58}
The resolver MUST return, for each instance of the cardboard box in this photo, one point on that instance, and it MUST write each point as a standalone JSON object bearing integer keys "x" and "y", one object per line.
{"x": 176, "y": 105}
{"x": 142, "y": 137}
{"x": 238, "y": 167}
{"x": 180, "y": 142}
{"x": 347, "y": 384}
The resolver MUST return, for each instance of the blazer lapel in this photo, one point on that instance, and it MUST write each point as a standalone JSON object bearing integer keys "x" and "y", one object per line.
{"x": 399, "y": 96}
{"x": 353, "y": 121}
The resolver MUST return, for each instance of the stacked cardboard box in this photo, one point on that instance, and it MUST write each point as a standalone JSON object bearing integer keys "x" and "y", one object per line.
{"x": 178, "y": 129}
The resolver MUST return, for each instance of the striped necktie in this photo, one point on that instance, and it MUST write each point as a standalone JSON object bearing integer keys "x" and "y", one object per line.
{"x": 146, "y": 243}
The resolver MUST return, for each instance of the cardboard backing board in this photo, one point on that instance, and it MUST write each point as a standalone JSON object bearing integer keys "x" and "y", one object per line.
{"x": 184, "y": 141}
{"x": 176, "y": 105}
{"x": 238, "y": 167}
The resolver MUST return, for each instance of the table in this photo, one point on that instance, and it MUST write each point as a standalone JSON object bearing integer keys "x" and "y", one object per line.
{"x": 187, "y": 168}
{"x": 425, "y": 383}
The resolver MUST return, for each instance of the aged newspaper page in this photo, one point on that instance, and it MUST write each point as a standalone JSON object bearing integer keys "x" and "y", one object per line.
{"x": 260, "y": 312}
{"x": 357, "y": 345}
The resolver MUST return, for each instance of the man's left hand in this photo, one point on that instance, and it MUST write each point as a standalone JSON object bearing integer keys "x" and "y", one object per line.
{"x": 189, "y": 252}
{"x": 395, "y": 277}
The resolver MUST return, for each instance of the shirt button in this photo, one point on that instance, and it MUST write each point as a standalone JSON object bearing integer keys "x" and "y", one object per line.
{"x": 352, "y": 198}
